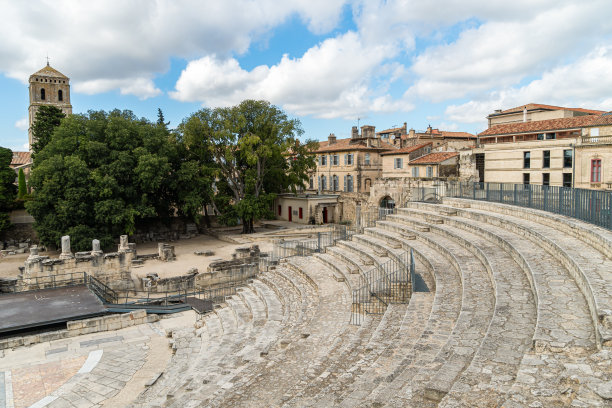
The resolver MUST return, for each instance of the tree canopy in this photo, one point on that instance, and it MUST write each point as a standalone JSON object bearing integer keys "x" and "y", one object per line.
{"x": 46, "y": 120}
{"x": 7, "y": 187}
{"x": 102, "y": 173}
{"x": 256, "y": 154}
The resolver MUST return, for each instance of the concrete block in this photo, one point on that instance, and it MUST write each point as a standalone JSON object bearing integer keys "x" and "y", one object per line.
{"x": 139, "y": 314}
{"x": 75, "y": 325}
{"x": 114, "y": 325}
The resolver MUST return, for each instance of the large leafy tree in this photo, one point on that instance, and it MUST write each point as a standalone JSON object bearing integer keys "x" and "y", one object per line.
{"x": 7, "y": 187}
{"x": 256, "y": 153}
{"x": 46, "y": 120}
{"x": 101, "y": 174}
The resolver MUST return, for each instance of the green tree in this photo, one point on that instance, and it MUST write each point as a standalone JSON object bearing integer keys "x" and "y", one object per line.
{"x": 256, "y": 152}
{"x": 7, "y": 187}
{"x": 47, "y": 119}
{"x": 102, "y": 174}
{"x": 21, "y": 182}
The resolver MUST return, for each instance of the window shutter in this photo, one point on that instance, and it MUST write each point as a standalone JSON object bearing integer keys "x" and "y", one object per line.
{"x": 345, "y": 184}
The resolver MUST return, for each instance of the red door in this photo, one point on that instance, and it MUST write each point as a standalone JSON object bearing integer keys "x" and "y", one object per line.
{"x": 290, "y": 213}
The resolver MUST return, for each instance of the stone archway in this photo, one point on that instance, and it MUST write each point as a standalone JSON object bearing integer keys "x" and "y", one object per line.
{"x": 386, "y": 202}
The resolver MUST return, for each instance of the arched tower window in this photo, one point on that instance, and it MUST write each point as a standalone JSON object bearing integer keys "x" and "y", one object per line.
{"x": 42, "y": 94}
{"x": 60, "y": 95}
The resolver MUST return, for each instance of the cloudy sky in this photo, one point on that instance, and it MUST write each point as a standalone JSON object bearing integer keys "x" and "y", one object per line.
{"x": 447, "y": 63}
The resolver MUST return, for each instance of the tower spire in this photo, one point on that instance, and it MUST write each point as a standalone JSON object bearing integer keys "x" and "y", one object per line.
{"x": 47, "y": 59}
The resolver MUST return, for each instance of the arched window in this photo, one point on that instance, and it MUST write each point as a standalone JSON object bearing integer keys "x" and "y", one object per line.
{"x": 60, "y": 95}
{"x": 42, "y": 94}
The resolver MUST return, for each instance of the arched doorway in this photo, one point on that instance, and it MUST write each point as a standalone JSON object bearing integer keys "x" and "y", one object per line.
{"x": 387, "y": 203}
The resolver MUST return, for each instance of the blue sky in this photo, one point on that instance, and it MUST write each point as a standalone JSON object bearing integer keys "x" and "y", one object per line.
{"x": 328, "y": 62}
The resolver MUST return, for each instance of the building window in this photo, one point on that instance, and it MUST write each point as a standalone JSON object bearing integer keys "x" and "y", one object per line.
{"x": 546, "y": 179}
{"x": 415, "y": 172}
{"x": 348, "y": 183}
{"x": 525, "y": 178}
{"x": 367, "y": 158}
{"x": 567, "y": 158}
{"x": 301, "y": 214}
{"x": 526, "y": 160}
{"x": 429, "y": 171}
{"x": 546, "y": 159}
{"x": 323, "y": 184}
{"x": 567, "y": 179}
{"x": 280, "y": 207}
{"x": 399, "y": 162}
{"x": 348, "y": 159}
{"x": 323, "y": 160}
{"x": 551, "y": 136}
{"x": 335, "y": 160}
{"x": 42, "y": 94}
{"x": 540, "y": 136}
{"x": 596, "y": 171}
{"x": 595, "y": 134}
{"x": 60, "y": 95}
{"x": 311, "y": 183}
{"x": 334, "y": 185}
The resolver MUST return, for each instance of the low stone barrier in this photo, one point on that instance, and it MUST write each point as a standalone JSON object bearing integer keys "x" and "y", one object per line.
{"x": 80, "y": 327}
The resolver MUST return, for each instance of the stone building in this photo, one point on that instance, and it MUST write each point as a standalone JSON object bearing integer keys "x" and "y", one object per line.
{"x": 395, "y": 163}
{"x": 444, "y": 139}
{"x": 572, "y": 150}
{"x": 49, "y": 87}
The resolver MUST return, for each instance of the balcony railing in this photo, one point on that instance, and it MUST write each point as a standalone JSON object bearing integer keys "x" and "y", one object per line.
{"x": 596, "y": 140}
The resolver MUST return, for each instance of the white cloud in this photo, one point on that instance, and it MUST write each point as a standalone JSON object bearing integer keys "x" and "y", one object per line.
{"x": 140, "y": 87}
{"x": 22, "y": 124}
{"x": 585, "y": 83}
{"x": 123, "y": 45}
{"x": 330, "y": 80}
{"x": 502, "y": 53}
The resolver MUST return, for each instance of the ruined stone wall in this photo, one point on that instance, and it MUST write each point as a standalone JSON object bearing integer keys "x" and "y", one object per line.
{"x": 110, "y": 268}
{"x": 348, "y": 203}
{"x": 467, "y": 166}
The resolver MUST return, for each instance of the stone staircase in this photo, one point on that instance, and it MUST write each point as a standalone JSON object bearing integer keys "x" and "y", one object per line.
{"x": 518, "y": 314}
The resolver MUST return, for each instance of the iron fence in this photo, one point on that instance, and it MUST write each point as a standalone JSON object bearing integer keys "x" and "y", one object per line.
{"x": 592, "y": 206}
{"x": 369, "y": 218}
{"x": 316, "y": 244}
{"x": 390, "y": 282}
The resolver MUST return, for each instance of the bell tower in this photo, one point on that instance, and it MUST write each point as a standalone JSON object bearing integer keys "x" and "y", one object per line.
{"x": 48, "y": 87}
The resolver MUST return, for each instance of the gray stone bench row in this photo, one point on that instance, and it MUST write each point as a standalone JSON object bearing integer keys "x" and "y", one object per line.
{"x": 478, "y": 303}
{"x": 584, "y": 249}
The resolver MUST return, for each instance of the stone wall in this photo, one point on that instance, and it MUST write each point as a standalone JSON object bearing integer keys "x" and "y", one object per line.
{"x": 243, "y": 265}
{"x": 113, "y": 268}
{"x": 467, "y": 166}
{"x": 79, "y": 327}
{"x": 348, "y": 203}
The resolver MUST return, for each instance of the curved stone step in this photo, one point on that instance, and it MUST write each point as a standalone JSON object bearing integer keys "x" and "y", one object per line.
{"x": 445, "y": 311}
{"x": 556, "y": 290}
{"x": 587, "y": 253}
{"x": 478, "y": 302}
{"x": 273, "y": 381}
{"x": 335, "y": 266}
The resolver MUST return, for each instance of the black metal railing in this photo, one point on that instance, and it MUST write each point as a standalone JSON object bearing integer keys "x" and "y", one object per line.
{"x": 592, "y": 206}
{"x": 390, "y": 282}
{"x": 308, "y": 246}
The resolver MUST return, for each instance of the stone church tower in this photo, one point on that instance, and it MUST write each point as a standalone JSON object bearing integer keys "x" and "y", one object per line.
{"x": 48, "y": 87}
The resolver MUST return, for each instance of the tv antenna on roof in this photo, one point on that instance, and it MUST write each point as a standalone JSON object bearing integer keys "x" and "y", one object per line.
{"x": 47, "y": 59}
{"x": 358, "y": 119}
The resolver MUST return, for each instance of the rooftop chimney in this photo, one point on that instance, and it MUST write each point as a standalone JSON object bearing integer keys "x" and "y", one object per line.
{"x": 429, "y": 129}
{"x": 525, "y": 114}
{"x": 354, "y": 133}
{"x": 331, "y": 138}
{"x": 497, "y": 111}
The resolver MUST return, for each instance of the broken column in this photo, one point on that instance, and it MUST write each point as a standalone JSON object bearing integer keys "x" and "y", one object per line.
{"x": 95, "y": 247}
{"x": 166, "y": 252}
{"x": 66, "y": 254}
{"x": 123, "y": 243}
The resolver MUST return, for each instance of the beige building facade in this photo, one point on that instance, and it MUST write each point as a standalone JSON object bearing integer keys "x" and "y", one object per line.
{"x": 396, "y": 164}
{"x": 348, "y": 165}
{"x": 573, "y": 151}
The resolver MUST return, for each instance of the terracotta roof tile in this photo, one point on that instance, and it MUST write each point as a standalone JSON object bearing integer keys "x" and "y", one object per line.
{"x": 20, "y": 158}
{"x": 346, "y": 145}
{"x": 392, "y": 130}
{"x": 434, "y": 158}
{"x": 605, "y": 119}
{"x": 408, "y": 149}
{"x": 540, "y": 125}
{"x": 49, "y": 72}
{"x": 533, "y": 106}
{"x": 459, "y": 135}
